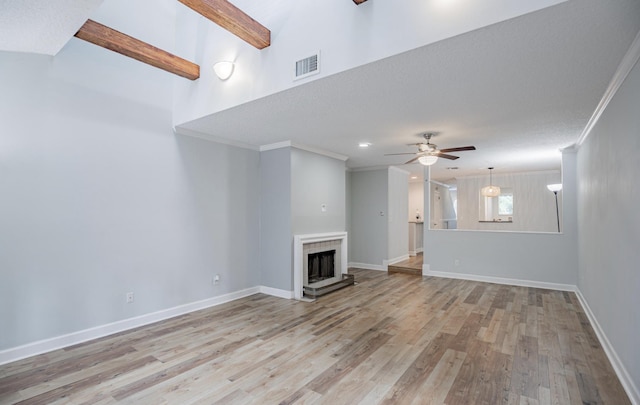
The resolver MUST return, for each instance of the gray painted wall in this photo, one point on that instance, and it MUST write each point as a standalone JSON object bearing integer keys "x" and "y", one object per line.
{"x": 348, "y": 210}
{"x": 398, "y": 206}
{"x": 294, "y": 184}
{"x": 100, "y": 198}
{"x": 276, "y": 248}
{"x": 368, "y": 239}
{"x": 317, "y": 180}
{"x": 609, "y": 222}
{"x": 542, "y": 257}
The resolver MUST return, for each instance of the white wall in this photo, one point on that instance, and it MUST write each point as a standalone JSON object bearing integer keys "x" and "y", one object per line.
{"x": 538, "y": 257}
{"x": 534, "y": 208}
{"x": 100, "y": 198}
{"x": 416, "y": 200}
{"x": 609, "y": 224}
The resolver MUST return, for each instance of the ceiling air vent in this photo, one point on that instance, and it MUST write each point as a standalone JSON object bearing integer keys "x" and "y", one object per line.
{"x": 307, "y": 66}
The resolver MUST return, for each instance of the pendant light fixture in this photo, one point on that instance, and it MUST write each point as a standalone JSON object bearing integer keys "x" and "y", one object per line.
{"x": 490, "y": 190}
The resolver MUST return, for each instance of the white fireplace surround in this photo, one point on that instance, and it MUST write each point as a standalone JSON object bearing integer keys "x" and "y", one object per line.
{"x": 298, "y": 256}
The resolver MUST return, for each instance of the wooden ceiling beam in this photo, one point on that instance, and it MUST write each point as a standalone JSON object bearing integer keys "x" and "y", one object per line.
{"x": 116, "y": 41}
{"x": 233, "y": 20}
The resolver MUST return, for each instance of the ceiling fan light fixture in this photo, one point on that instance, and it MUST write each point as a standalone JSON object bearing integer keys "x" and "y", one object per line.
{"x": 427, "y": 160}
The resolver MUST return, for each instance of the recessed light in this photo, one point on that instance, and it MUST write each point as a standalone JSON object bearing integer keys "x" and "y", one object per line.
{"x": 414, "y": 177}
{"x": 364, "y": 144}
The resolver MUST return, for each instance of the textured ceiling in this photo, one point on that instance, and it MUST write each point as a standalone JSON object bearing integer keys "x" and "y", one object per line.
{"x": 41, "y": 26}
{"x": 519, "y": 91}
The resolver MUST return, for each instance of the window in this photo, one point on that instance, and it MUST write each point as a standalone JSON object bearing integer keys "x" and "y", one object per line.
{"x": 505, "y": 204}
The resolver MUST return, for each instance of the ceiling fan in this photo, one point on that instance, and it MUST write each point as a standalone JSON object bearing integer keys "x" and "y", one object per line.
{"x": 428, "y": 153}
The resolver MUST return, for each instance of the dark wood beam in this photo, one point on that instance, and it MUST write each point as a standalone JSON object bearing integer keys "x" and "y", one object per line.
{"x": 233, "y": 20}
{"x": 359, "y": 1}
{"x": 116, "y": 41}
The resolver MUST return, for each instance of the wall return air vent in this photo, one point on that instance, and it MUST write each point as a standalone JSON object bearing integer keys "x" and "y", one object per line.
{"x": 307, "y": 67}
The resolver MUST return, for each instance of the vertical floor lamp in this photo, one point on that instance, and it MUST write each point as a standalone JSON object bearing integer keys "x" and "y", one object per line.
{"x": 555, "y": 188}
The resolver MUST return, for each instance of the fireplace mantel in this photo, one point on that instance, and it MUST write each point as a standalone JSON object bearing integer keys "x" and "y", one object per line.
{"x": 298, "y": 245}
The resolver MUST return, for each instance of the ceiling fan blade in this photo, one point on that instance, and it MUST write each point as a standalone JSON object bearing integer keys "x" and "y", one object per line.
{"x": 406, "y": 153}
{"x": 460, "y": 149}
{"x": 412, "y": 160}
{"x": 450, "y": 157}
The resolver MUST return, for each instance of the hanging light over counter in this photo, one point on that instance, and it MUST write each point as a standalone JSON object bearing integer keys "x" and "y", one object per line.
{"x": 490, "y": 190}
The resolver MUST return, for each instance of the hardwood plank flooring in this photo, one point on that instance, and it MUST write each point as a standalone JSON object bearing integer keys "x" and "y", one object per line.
{"x": 413, "y": 265}
{"x": 390, "y": 339}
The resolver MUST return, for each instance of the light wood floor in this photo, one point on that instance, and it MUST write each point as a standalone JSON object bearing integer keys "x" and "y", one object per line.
{"x": 413, "y": 265}
{"x": 390, "y": 339}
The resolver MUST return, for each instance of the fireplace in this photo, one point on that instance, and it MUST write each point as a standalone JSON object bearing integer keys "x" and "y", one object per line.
{"x": 319, "y": 263}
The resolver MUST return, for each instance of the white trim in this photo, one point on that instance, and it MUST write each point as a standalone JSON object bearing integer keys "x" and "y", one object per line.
{"x": 59, "y": 342}
{"x": 276, "y": 292}
{"x": 277, "y": 145}
{"x": 298, "y": 266}
{"x": 290, "y": 144}
{"x": 622, "y": 373}
{"x": 369, "y": 168}
{"x": 366, "y": 266}
{"x": 624, "y": 68}
{"x": 498, "y": 280}
{"x": 387, "y": 263}
{"x": 213, "y": 138}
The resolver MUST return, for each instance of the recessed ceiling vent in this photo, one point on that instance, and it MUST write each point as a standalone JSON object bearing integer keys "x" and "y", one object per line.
{"x": 307, "y": 66}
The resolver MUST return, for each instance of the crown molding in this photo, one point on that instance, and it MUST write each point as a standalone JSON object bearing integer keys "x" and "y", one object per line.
{"x": 290, "y": 144}
{"x": 624, "y": 68}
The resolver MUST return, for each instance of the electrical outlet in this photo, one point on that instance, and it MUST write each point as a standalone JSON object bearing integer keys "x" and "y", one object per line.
{"x": 130, "y": 297}
{"x": 216, "y": 279}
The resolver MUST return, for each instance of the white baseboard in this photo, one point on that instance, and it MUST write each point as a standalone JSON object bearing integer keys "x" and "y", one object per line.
{"x": 624, "y": 377}
{"x": 419, "y": 250}
{"x": 59, "y": 342}
{"x": 387, "y": 263}
{"x": 412, "y": 253}
{"x": 366, "y": 266}
{"x": 276, "y": 292}
{"x": 498, "y": 280}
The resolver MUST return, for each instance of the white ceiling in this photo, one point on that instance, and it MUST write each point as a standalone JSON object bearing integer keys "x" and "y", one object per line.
{"x": 41, "y": 26}
{"x": 518, "y": 90}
